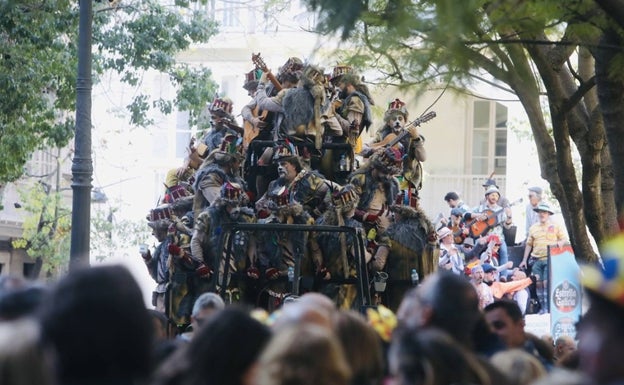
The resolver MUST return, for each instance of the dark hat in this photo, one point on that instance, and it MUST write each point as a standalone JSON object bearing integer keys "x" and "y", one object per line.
{"x": 490, "y": 182}
{"x": 488, "y": 268}
{"x": 543, "y": 207}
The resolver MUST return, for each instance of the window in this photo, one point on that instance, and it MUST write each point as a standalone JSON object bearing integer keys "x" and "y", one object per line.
{"x": 489, "y": 138}
{"x": 28, "y": 269}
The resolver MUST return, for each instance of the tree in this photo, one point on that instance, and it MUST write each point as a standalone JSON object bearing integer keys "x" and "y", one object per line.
{"x": 46, "y": 232}
{"x": 38, "y": 66}
{"x": 525, "y": 47}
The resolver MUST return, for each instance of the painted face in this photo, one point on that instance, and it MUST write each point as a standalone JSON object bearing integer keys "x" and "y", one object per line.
{"x": 287, "y": 171}
{"x": 397, "y": 122}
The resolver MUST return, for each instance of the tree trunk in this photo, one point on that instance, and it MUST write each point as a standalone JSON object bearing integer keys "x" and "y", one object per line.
{"x": 611, "y": 97}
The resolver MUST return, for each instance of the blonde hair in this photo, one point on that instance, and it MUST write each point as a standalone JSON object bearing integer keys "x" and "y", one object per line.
{"x": 303, "y": 355}
{"x": 521, "y": 367}
{"x": 22, "y": 360}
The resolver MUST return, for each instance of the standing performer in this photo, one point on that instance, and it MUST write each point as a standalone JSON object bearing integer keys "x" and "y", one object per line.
{"x": 210, "y": 242}
{"x": 338, "y": 249}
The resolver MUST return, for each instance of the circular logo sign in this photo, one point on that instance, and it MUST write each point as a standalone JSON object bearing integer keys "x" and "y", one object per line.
{"x": 566, "y": 297}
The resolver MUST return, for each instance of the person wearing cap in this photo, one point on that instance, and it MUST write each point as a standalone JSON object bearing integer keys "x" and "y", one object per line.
{"x": 230, "y": 207}
{"x": 600, "y": 331}
{"x": 307, "y": 187}
{"x": 156, "y": 262}
{"x": 254, "y": 119}
{"x": 338, "y": 249}
{"x": 500, "y": 289}
{"x": 490, "y": 217}
{"x": 220, "y": 166}
{"x": 222, "y": 123}
{"x": 376, "y": 186}
{"x": 408, "y": 242}
{"x": 502, "y": 201}
{"x": 542, "y": 235}
{"x": 354, "y": 115}
{"x": 451, "y": 257}
{"x": 535, "y": 198}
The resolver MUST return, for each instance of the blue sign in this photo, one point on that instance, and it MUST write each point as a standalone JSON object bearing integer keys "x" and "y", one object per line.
{"x": 565, "y": 291}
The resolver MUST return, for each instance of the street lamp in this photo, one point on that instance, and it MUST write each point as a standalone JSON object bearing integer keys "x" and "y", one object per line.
{"x": 82, "y": 164}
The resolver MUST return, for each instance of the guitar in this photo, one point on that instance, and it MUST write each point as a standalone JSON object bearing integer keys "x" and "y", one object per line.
{"x": 259, "y": 63}
{"x": 392, "y": 138}
{"x": 478, "y": 228}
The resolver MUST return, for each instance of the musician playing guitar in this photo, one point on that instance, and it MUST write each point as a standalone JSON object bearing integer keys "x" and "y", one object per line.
{"x": 490, "y": 218}
{"x": 397, "y": 132}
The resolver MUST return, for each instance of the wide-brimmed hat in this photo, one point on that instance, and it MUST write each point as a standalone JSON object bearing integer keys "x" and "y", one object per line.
{"x": 543, "y": 207}
{"x": 232, "y": 193}
{"x": 285, "y": 151}
{"x": 443, "y": 232}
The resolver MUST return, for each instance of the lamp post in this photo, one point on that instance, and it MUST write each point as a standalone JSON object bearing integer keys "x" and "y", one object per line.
{"x": 82, "y": 165}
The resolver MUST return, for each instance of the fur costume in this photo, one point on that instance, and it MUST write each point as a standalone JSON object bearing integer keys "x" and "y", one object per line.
{"x": 412, "y": 245}
{"x": 302, "y": 107}
{"x": 211, "y": 241}
{"x": 278, "y": 250}
{"x": 308, "y": 188}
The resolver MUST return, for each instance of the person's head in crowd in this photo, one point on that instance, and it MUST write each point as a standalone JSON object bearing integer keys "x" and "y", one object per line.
{"x": 444, "y": 300}
{"x": 20, "y": 301}
{"x": 160, "y": 324}
{"x": 96, "y": 323}
{"x": 303, "y": 355}
{"x": 601, "y": 329}
{"x": 564, "y": 345}
{"x": 432, "y": 357}
{"x": 22, "y": 359}
{"x": 362, "y": 347}
{"x": 224, "y": 351}
{"x": 535, "y": 195}
{"x": 477, "y": 274}
{"x": 505, "y": 319}
{"x": 310, "y": 308}
{"x": 520, "y": 367}
{"x": 452, "y": 199}
{"x": 206, "y": 305}
{"x": 548, "y": 338}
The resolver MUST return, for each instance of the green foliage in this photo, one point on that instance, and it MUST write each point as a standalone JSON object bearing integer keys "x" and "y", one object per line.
{"x": 109, "y": 234}
{"x": 38, "y": 64}
{"x": 47, "y": 230}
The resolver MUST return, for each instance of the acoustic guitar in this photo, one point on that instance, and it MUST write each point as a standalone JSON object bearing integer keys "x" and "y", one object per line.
{"x": 392, "y": 139}
{"x": 259, "y": 63}
{"x": 478, "y": 228}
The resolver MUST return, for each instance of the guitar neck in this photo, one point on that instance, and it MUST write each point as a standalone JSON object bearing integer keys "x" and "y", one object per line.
{"x": 398, "y": 138}
{"x": 274, "y": 81}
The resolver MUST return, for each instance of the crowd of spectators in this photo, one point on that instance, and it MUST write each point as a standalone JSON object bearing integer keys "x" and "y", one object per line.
{"x": 92, "y": 327}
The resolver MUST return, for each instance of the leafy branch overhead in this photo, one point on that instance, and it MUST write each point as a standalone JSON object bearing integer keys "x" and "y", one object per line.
{"x": 566, "y": 53}
{"x": 38, "y": 65}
